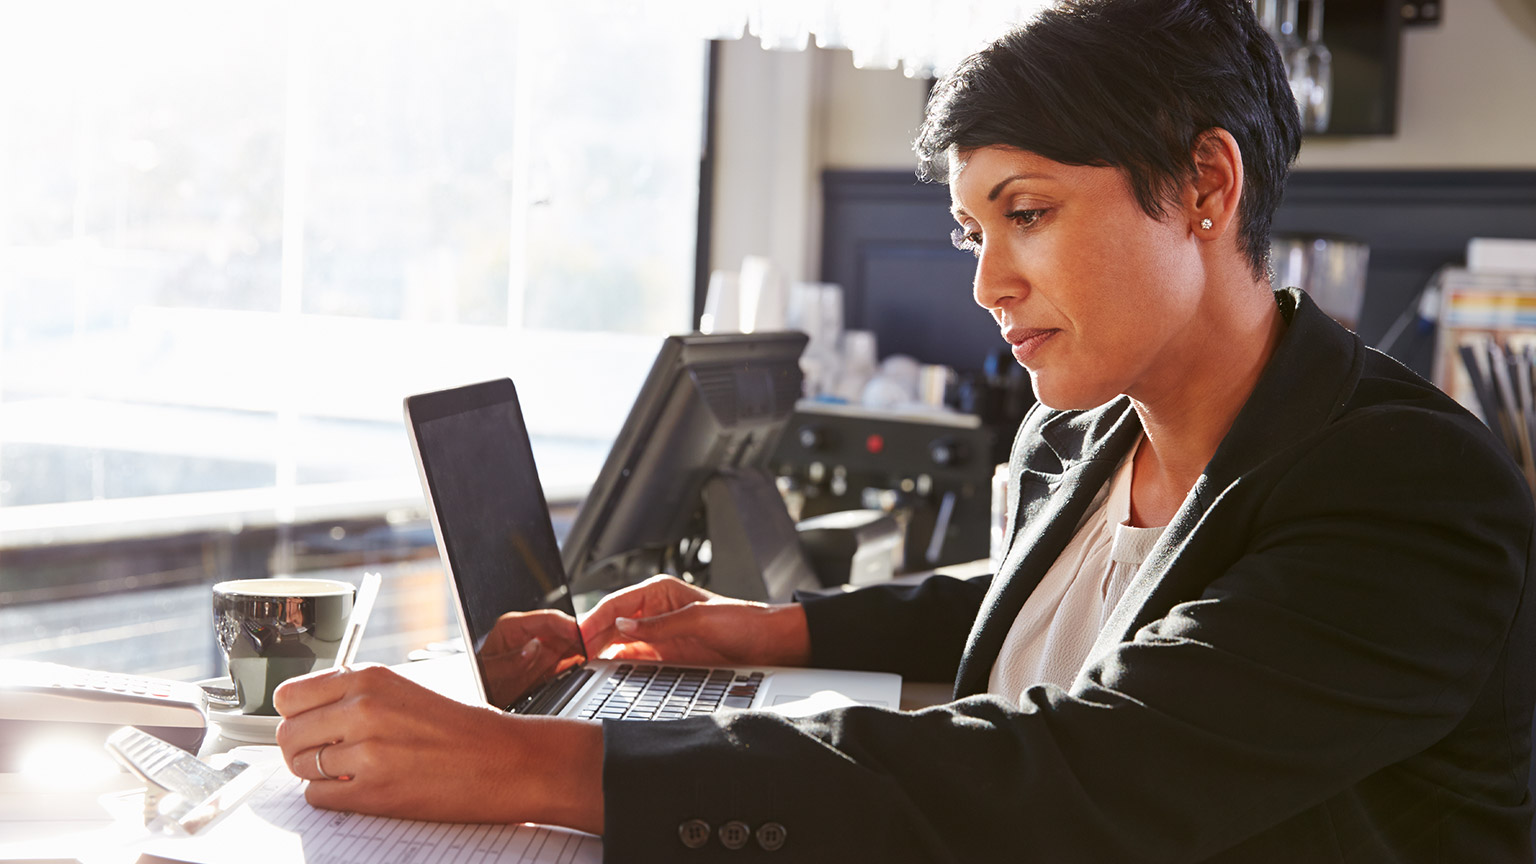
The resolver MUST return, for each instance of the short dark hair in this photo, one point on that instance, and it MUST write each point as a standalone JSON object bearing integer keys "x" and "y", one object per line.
{"x": 1130, "y": 84}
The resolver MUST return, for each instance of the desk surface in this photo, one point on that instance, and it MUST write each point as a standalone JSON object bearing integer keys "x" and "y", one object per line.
{"x": 37, "y": 822}
{"x": 90, "y": 823}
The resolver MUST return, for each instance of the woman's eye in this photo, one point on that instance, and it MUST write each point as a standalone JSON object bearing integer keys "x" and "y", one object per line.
{"x": 966, "y": 241}
{"x": 970, "y": 241}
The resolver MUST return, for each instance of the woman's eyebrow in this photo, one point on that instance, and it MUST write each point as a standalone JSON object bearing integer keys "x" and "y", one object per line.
{"x": 998, "y": 189}
{"x": 957, "y": 211}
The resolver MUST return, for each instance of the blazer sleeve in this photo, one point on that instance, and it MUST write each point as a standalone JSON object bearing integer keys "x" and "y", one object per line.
{"x": 917, "y": 631}
{"x": 1372, "y": 598}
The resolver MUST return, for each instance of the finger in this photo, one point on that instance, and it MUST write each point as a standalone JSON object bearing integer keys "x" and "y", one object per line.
{"x": 321, "y": 764}
{"x": 326, "y": 724}
{"x": 596, "y": 638}
{"x": 307, "y": 692}
{"x": 654, "y": 595}
{"x": 339, "y": 795}
{"x": 632, "y": 651}
{"x": 338, "y": 718}
{"x": 600, "y": 617}
{"x": 597, "y": 627}
{"x": 666, "y": 627}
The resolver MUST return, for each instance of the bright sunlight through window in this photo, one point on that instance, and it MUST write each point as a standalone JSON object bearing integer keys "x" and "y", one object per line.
{"x": 233, "y": 236}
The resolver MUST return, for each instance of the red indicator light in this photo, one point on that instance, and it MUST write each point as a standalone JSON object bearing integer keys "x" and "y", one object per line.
{"x": 874, "y": 443}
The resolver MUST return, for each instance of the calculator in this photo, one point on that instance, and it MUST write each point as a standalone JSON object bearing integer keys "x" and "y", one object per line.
{"x": 182, "y": 791}
{"x": 53, "y": 703}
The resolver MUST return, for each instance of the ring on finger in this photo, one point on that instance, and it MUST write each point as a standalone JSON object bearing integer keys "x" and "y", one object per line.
{"x": 321, "y": 768}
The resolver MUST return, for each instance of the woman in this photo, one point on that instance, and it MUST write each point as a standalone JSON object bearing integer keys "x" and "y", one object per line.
{"x": 1263, "y": 598}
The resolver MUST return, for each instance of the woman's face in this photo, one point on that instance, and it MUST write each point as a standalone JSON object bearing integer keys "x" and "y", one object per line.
{"x": 1096, "y": 297}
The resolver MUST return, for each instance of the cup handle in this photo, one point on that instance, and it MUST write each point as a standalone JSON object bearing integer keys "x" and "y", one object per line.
{"x": 220, "y": 697}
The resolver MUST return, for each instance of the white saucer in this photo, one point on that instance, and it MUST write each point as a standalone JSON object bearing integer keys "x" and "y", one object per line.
{"x": 249, "y": 728}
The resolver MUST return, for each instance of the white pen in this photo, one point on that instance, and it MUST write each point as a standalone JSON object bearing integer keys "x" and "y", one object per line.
{"x": 346, "y": 652}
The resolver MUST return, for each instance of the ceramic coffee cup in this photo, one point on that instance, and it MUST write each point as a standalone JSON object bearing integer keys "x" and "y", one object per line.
{"x": 271, "y": 630}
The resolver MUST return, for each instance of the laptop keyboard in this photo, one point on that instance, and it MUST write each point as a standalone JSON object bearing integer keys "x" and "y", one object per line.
{"x": 669, "y": 693}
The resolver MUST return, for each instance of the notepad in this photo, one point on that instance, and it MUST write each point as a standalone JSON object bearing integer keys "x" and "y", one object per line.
{"x": 277, "y": 824}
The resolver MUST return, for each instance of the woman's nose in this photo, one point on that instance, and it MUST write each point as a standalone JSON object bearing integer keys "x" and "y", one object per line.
{"x": 996, "y": 280}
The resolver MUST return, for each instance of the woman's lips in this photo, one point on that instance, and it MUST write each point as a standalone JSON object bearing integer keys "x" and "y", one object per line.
{"x": 1027, "y": 343}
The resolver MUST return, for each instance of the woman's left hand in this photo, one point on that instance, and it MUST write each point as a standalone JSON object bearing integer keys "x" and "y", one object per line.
{"x": 398, "y": 749}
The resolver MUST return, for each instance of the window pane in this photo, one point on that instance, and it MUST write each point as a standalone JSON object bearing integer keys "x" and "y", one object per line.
{"x": 411, "y": 123}
{"x": 234, "y": 236}
{"x": 607, "y": 168}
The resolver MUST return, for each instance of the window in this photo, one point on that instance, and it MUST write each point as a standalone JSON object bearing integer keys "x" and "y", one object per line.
{"x": 234, "y": 236}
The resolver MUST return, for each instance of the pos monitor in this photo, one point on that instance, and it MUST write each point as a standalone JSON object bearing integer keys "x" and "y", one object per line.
{"x": 686, "y": 488}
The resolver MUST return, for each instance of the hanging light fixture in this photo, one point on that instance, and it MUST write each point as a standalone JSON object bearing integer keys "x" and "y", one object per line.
{"x": 923, "y": 38}
{"x": 928, "y": 38}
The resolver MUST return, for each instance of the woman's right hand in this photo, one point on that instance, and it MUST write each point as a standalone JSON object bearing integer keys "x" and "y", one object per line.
{"x": 665, "y": 618}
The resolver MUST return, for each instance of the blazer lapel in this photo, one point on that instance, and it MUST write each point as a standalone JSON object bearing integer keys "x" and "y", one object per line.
{"x": 1286, "y": 406}
{"x": 1055, "y": 486}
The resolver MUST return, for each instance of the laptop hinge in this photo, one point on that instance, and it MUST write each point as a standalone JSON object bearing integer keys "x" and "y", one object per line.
{"x": 552, "y": 696}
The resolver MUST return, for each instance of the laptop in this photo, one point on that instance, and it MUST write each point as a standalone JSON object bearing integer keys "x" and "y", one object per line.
{"x": 497, "y": 542}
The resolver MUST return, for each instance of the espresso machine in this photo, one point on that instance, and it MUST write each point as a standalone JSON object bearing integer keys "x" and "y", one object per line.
{"x": 931, "y": 471}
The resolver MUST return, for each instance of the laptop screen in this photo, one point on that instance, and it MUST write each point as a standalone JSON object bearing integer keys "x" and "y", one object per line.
{"x": 494, "y": 528}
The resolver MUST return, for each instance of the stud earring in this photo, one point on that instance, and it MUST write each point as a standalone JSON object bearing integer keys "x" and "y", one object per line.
{"x": 1206, "y": 224}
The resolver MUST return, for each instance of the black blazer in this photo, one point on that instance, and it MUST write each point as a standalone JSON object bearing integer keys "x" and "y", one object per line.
{"x": 1324, "y": 659}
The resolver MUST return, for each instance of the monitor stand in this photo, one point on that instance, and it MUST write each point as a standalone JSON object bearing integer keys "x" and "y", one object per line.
{"x": 754, "y": 549}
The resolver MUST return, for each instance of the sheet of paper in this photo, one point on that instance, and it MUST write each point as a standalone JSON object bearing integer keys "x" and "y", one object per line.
{"x": 277, "y": 824}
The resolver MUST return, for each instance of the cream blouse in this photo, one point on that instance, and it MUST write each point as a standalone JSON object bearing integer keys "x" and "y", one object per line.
{"x": 1054, "y": 632}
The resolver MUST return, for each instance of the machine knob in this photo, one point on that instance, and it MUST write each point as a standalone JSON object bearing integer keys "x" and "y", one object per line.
{"x": 946, "y": 452}
{"x": 811, "y": 437}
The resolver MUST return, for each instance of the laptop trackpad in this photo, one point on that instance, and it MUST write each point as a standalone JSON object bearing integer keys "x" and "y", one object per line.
{"x": 813, "y": 690}
{"x": 804, "y": 706}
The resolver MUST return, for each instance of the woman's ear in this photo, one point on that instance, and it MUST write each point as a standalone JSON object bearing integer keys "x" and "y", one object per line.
{"x": 1212, "y": 199}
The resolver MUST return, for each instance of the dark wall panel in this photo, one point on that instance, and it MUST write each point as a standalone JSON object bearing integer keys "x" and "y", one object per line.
{"x": 917, "y": 287}
{"x": 1415, "y": 222}
{"x": 886, "y": 242}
